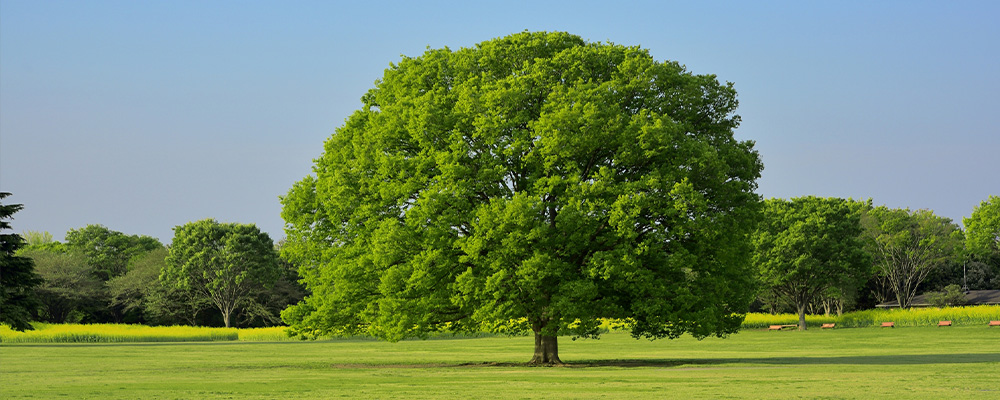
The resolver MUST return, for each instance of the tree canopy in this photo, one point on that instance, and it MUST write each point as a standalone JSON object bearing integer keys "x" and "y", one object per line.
{"x": 533, "y": 182}
{"x": 982, "y": 228}
{"x": 17, "y": 274}
{"x": 908, "y": 245}
{"x": 108, "y": 251}
{"x": 69, "y": 292}
{"x": 36, "y": 238}
{"x": 808, "y": 245}
{"x": 225, "y": 263}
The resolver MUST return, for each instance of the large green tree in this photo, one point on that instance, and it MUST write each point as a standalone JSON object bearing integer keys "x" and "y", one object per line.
{"x": 17, "y": 274}
{"x": 533, "y": 182}
{"x": 807, "y": 246}
{"x": 225, "y": 263}
{"x": 908, "y": 245}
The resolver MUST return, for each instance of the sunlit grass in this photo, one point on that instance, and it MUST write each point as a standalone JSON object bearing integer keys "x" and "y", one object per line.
{"x": 909, "y": 363}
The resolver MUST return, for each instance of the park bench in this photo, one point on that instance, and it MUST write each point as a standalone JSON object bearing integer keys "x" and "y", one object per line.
{"x": 888, "y": 324}
{"x": 827, "y": 326}
{"x": 780, "y": 327}
{"x": 994, "y": 323}
{"x": 944, "y": 323}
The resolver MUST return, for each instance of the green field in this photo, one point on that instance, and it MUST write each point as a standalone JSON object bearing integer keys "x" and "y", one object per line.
{"x": 926, "y": 362}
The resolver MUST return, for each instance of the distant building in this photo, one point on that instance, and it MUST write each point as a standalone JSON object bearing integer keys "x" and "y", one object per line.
{"x": 974, "y": 297}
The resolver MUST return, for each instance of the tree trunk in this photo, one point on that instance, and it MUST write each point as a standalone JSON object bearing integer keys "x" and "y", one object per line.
{"x": 802, "y": 317}
{"x": 546, "y": 350}
{"x": 899, "y": 299}
{"x": 226, "y": 313}
{"x": 226, "y": 308}
{"x": 117, "y": 313}
{"x": 191, "y": 319}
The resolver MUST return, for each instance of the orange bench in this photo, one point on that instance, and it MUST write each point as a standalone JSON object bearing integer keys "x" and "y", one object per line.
{"x": 780, "y": 327}
{"x": 888, "y": 324}
{"x": 994, "y": 323}
{"x": 825, "y": 326}
{"x": 944, "y": 323}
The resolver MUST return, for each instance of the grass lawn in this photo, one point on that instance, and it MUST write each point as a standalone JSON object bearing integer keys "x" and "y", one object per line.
{"x": 955, "y": 362}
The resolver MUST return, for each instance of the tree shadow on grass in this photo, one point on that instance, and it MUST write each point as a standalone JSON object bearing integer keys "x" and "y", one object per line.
{"x": 902, "y": 359}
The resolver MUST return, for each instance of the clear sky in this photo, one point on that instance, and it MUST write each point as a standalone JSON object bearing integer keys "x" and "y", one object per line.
{"x": 142, "y": 115}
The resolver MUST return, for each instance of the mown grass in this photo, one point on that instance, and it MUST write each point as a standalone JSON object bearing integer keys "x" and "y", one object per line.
{"x": 920, "y": 362}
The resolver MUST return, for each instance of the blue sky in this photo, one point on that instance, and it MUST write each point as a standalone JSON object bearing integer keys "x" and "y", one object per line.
{"x": 142, "y": 116}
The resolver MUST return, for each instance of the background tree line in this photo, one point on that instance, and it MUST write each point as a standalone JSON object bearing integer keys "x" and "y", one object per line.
{"x": 813, "y": 255}
{"x": 823, "y": 255}
{"x": 99, "y": 275}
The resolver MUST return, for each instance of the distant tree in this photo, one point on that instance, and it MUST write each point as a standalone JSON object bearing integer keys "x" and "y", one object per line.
{"x": 171, "y": 305}
{"x": 131, "y": 290}
{"x": 974, "y": 273}
{"x": 982, "y": 235}
{"x": 17, "y": 274}
{"x": 53, "y": 246}
{"x": 140, "y": 290}
{"x": 534, "y": 182}
{"x": 287, "y": 290}
{"x": 807, "y": 246}
{"x": 982, "y": 228}
{"x": 907, "y": 246}
{"x": 227, "y": 264}
{"x": 35, "y": 238}
{"x": 108, "y": 252}
{"x": 69, "y": 291}
{"x": 982, "y": 276}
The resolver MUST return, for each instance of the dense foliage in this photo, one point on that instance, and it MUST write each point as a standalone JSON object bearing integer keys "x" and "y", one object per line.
{"x": 907, "y": 246}
{"x": 982, "y": 232}
{"x": 108, "y": 252}
{"x": 983, "y": 228}
{"x": 533, "y": 181}
{"x": 225, "y": 264}
{"x": 810, "y": 247}
{"x": 17, "y": 275}
{"x": 70, "y": 291}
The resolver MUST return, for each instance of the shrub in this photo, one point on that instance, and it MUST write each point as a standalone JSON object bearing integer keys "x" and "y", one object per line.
{"x": 951, "y": 296}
